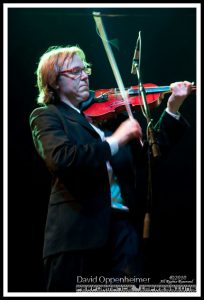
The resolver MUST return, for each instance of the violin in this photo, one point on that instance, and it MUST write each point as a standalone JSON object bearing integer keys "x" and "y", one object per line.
{"x": 108, "y": 102}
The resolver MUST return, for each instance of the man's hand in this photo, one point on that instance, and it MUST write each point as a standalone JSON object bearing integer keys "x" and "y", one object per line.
{"x": 128, "y": 130}
{"x": 180, "y": 91}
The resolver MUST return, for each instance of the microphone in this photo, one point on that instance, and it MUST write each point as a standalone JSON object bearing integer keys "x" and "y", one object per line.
{"x": 136, "y": 56}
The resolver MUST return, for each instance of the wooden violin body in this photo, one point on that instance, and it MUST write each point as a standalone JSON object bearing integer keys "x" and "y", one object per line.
{"x": 108, "y": 102}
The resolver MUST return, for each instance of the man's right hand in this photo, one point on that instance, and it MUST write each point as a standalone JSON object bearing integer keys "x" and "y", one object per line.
{"x": 128, "y": 130}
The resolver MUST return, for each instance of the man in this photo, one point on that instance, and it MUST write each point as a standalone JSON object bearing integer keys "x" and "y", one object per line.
{"x": 84, "y": 236}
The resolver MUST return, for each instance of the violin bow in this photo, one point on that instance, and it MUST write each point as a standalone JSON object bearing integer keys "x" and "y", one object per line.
{"x": 113, "y": 64}
{"x": 112, "y": 61}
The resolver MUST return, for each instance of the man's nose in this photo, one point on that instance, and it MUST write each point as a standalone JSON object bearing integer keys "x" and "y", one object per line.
{"x": 84, "y": 75}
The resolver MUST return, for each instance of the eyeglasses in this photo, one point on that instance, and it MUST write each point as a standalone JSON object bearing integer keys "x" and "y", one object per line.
{"x": 75, "y": 72}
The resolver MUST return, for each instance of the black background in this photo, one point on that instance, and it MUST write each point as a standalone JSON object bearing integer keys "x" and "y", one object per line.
{"x": 168, "y": 55}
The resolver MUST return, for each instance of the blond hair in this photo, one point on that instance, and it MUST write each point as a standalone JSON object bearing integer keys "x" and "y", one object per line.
{"x": 49, "y": 66}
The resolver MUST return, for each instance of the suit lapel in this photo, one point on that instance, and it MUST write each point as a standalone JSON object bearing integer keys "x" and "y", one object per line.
{"x": 71, "y": 114}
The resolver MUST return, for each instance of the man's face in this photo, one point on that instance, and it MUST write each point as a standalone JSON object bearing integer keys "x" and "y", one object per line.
{"x": 75, "y": 88}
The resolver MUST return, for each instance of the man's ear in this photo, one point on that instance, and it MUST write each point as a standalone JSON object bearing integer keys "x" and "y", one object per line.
{"x": 55, "y": 86}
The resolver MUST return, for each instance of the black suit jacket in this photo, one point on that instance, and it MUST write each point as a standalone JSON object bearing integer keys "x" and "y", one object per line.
{"x": 80, "y": 206}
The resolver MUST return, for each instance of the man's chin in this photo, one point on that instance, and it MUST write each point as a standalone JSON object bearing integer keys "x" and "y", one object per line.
{"x": 85, "y": 96}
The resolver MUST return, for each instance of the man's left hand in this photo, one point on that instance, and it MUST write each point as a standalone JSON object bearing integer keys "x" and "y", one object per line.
{"x": 180, "y": 91}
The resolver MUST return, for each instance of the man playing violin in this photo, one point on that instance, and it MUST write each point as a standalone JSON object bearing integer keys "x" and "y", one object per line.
{"x": 93, "y": 223}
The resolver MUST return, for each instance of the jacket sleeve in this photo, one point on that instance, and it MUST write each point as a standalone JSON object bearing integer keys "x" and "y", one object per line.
{"x": 169, "y": 130}
{"x": 59, "y": 150}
